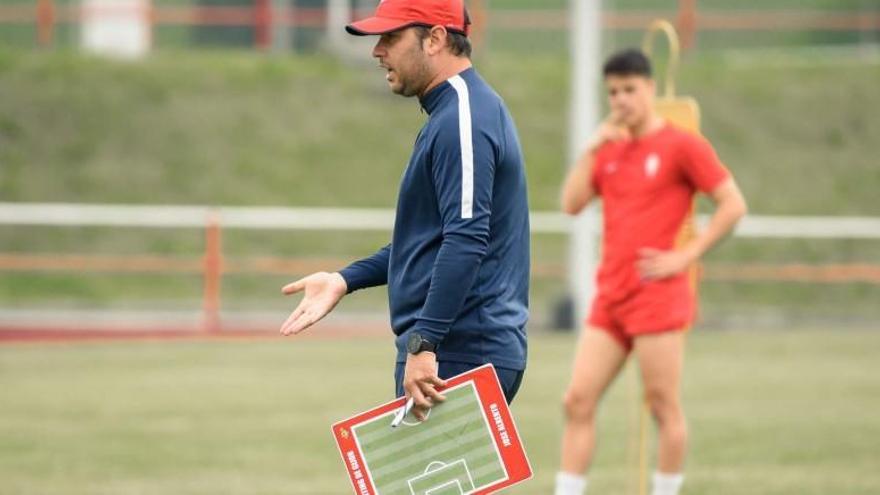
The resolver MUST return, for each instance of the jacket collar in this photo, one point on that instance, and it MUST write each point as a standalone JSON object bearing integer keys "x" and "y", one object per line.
{"x": 438, "y": 94}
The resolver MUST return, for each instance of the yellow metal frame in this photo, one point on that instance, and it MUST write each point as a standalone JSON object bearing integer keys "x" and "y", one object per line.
{"x": 664, "y": 26}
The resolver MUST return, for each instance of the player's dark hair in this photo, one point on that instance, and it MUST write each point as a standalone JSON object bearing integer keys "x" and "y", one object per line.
{"x": 458, "y": 43}
{"x": 629, "y": 62}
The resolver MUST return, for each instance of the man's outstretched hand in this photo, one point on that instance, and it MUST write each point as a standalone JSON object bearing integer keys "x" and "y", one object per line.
{"x": 322, "y": 291}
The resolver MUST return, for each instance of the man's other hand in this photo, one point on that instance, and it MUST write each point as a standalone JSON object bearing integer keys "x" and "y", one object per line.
{"x": 420, "y": 381}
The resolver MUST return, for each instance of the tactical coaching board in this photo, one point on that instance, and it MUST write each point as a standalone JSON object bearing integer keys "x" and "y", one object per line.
{"x": 468, "y": 444}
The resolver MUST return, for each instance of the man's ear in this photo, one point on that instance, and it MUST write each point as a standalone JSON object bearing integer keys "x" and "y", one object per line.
{"x": 437, "y": 40}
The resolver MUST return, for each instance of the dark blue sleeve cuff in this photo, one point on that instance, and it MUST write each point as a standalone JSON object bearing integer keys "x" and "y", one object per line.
{"x": 368, "y": 272}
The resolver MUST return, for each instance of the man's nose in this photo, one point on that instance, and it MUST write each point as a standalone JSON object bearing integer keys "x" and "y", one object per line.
{"x": 378, "y": 49}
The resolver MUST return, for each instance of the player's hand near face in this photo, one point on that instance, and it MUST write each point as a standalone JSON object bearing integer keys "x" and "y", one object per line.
{"x": 420, "y": 381}
{"x": 322, "y": 291}
{"x": 577, "y": 191}
{"x": 656, "y": 264}
{"x": 611, "y": 129}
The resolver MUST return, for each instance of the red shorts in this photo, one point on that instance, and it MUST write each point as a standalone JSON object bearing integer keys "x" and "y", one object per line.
{"x": 656, "y": 307}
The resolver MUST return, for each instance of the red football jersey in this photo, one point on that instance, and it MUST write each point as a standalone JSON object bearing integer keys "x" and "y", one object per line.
{"x": 647, "y": 187}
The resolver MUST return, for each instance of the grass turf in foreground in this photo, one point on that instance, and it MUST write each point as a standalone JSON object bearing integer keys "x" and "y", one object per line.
{"x": 774, "y": 413}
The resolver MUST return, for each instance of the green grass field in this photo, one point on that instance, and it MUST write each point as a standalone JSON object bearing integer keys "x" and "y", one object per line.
{"x": 770, "y": 413}
{"x": 232, "y": 128}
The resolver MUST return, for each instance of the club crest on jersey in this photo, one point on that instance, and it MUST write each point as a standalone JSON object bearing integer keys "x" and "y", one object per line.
{"x": 652, "y": 165}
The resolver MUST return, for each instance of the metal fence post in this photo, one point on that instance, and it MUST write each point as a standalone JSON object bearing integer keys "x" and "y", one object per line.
{"x": 213, "y": 271}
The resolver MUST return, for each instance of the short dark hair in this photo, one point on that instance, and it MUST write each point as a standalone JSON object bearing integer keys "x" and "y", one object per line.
{"x": 458, "y": 43}
{"x": 629, "y": 62}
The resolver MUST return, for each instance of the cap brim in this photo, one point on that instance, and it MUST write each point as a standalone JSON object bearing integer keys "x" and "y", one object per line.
{"x": 376, "y": 25}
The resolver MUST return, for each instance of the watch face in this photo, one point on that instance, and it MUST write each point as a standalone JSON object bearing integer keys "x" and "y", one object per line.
{"x": 414, "y": 343}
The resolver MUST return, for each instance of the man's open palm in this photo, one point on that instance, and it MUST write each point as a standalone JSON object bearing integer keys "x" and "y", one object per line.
{"x": 322, "y": 291}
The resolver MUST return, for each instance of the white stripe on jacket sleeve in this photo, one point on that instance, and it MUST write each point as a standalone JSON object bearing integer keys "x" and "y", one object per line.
{"x": 467, "y": 146}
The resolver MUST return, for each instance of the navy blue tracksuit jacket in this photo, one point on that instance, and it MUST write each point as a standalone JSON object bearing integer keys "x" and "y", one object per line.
{"x": 457, "y": 267}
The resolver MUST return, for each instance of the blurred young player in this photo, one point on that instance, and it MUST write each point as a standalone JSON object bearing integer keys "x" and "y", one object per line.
{"x": 647, "y": 172}
{"x": 457, "y": 268}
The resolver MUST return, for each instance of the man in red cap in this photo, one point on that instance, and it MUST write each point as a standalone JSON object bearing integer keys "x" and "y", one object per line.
{"x": 457, "y": 267}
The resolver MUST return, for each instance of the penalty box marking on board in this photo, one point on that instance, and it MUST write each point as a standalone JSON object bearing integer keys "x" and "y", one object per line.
{"x": 418, "y": 490}
{"x": 436, "y": 490}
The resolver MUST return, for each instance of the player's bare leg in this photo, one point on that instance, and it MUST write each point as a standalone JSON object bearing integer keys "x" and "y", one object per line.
{"x": 598, "y": 360}
{"x": 661, "y": 358}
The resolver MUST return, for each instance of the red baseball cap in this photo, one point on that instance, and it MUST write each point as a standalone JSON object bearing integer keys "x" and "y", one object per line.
{"x": 392, "y": 15}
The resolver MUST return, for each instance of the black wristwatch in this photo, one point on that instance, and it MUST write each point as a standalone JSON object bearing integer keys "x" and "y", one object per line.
{"x": 416, "y": 344}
